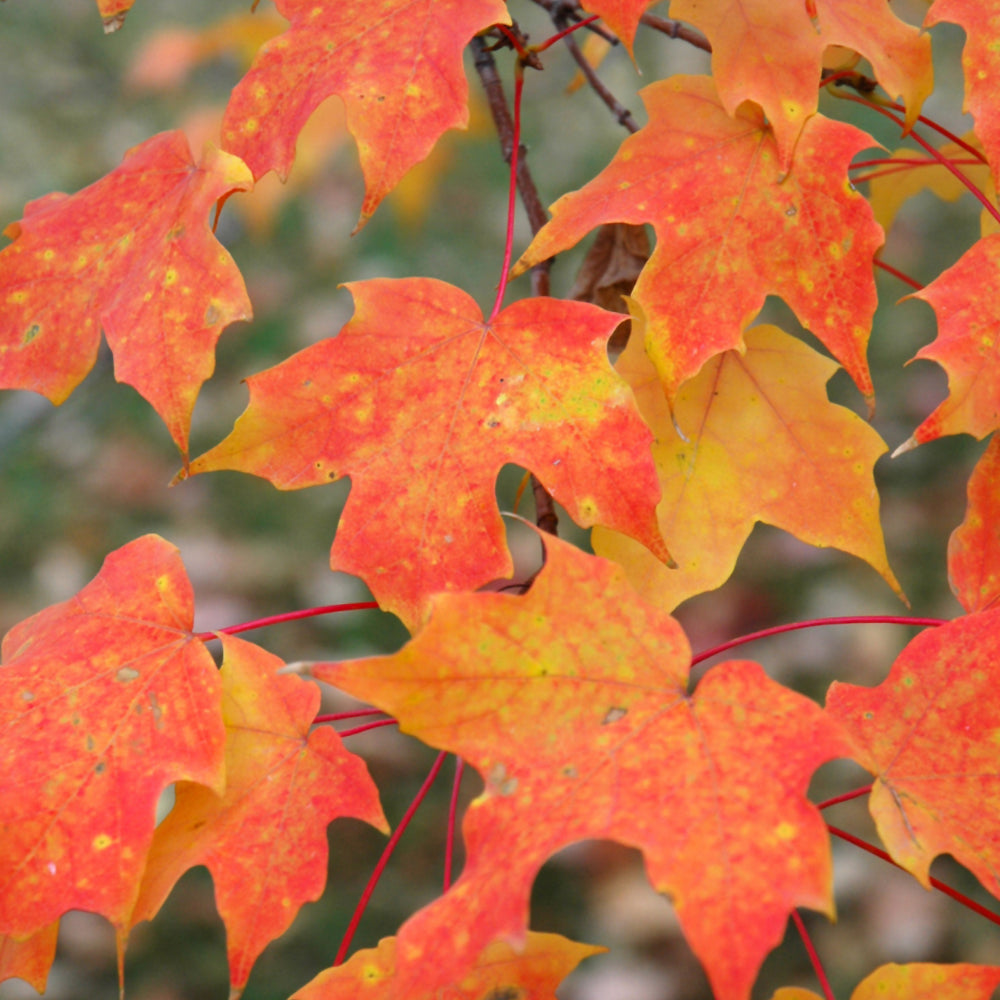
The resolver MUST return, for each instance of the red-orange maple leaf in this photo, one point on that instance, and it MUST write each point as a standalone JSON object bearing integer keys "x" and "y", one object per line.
{"x": 396, "y": 64}
{"x": 974, "y": 546}
{"x": 981, "y": 62}
{"x": 105, "y": 700}
{"x": 762, "y": 443}
{"x": 771, "y": 52}
{"x": 730, "y": 230}
{"x": 928, "y": 734}
{"x": 966, "y": 345}
{"x": 498, "y": 973}
{"x": 132, "y": 253}
{"x": 420, "y": 402}
{"x": 264, "y": 840}
{"x": 572, "y": 703}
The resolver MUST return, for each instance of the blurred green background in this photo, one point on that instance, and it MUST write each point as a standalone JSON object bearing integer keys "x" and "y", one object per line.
{"x": 83, "y": 479}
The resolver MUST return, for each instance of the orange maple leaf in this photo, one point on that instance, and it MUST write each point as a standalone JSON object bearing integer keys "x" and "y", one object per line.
{"x": 30, "y": 958}
{"x": 730, "y": 230}
{"x": 981, "y": 62}
{"x": 572, "y": 703}
{"x": 763, "y": 443}
{"x": 264, "y": 840}
{"x": 974, "y": 546}
{"x": 133, "y": 254}
{"x": 497, "y": 974}
{"x": 621, "y": 16}
{"x": 771, "y": 52}
{"x": 396, "y": 64}
{"x": 928, "y": 734}
{"x": 421, "y": 403}
{"x": 106, "y": 699}
{"x": 917, "y": 981}
{"x": 966, "y": 345}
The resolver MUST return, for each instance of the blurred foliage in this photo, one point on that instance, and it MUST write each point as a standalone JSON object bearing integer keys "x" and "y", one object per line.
{"x": 91, "y": 475}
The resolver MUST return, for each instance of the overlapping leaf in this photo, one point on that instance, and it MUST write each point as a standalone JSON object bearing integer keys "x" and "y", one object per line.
{"x": 918, "y": 981}
{"x": 771, "y": 52}
{"x": 105, "y": 700}
{"x": 499, "y": 973}
{"x": 928, "y": 733}
{"x": 420, "y": 402}
{"x": 974, "y": 546}
{"x": 30, "y": 958}
{"x": 762, "y": 443}
{"x": 981, "y": 61}
{"x": 730, "y": 230}
{"x": 966, "y": 346}
{"x": 572, "y": 703}
{"x": 132, "y": 253}
{"x": 396, "y": 64}
{"x": 264, "y": 841}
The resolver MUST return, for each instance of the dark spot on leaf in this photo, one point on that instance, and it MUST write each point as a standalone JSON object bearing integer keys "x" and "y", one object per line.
{"x": 101, "y": 767}
{"x": 29, "y": 335}
{"x": 614, "y": 714}
{"x": 212, "y": 315}
{"x": 505, "y": 993}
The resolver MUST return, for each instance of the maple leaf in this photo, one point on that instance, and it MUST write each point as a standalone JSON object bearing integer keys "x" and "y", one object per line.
{"x": 396, "y": 64}
{"x": 771, "y": 52}
{"x": 974, "y": 546}
{"x": 31, "y": 958}
{"x": 572, "y": 703}
{"x": 105, "y": 700}
{"x": 730, "y": 230}
{"x": 966, "y": 345}
{"x": 421, "y": 403}
{"x": 133, "y": 254}
{"x": 264, "y": 841}
{"x": 981, "y": 62}
{"x": 621, "y": 16}
{"x": 917, "y": 981}
{"x": 499, "y": 973}
{"x": 928, "y": 734}
{"x": 762, "y": 445}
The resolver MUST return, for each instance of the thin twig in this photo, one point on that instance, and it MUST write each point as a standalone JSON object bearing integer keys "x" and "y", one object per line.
{"x": 676, "y": 30}
{"x": 622, "y": 114}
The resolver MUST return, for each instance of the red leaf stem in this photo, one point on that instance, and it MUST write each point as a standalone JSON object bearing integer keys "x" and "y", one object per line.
{"x": 341, "y": 716}
{"x": 813, "y": 956}
{"x": 924, "y": 144}
{"x": 512, "y": 194}
{"x": 960, "y": 897}
{"x": 367, "y": 726}
{"x": 846, "y": 797}
{"x": 815, "y": 623}
{"x": 905, "y": 278}
{"x": 384, "y": 859}
{"x": 288, "y": 616}
{"x": 449, "y": 847}
{"x": 566, "y": 31}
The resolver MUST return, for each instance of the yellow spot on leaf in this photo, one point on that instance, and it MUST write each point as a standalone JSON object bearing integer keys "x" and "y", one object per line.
{"x": 102, "y": 841}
